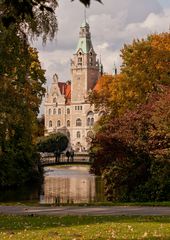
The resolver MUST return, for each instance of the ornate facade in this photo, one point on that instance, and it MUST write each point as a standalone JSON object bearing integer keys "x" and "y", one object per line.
{"x": 66, "y": 106}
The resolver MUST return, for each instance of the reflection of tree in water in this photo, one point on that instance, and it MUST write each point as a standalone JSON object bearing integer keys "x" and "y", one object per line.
{"x": 72, "y": 185}
{"x": 99, "y": 189}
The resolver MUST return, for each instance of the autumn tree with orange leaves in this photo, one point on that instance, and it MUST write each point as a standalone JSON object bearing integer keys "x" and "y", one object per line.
{"x": 131, "y": 149}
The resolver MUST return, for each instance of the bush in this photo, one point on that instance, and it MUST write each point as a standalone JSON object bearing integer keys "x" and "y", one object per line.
{"x": 54, "y": 142}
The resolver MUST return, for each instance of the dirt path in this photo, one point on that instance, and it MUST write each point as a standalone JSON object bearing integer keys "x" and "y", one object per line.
{"x": 92, "y": 211}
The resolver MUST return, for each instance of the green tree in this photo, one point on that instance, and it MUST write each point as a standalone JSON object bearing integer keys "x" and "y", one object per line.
{"x": 87, "y": 2}
{"x": 21, "y": 91}
{"x": 21, "y": 85}
{"x": 35, "y": 18}
{"x": 41, "y": 126}
{"x": 52, "y": 143}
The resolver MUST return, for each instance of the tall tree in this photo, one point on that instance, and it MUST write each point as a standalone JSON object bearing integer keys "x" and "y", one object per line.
{"x": 132, "y": 140}
{"x": 21, "y": 85}
{"x": 52, "y": 143}
{"x": 145, "y": 69}
{"x": 21, "y": 91}
{"x": 36, "y": 17}
{"x": 146, "y": 66}
{"x": 31, "y": 17}
{"x": 132, "y": 151}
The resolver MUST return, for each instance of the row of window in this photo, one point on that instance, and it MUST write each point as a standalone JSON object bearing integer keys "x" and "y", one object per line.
{"x": 59, "y": 111}
{"x": 80, "y": 61}
{"x": 89, "y": 114}
{"x": 78, "y": 107}
{"x": 90, "y": 122}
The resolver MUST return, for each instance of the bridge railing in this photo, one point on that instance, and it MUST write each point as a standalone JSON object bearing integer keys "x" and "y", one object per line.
{"x": 49, "y": 158}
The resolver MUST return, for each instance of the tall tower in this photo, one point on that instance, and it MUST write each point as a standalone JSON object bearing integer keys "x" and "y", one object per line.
{"x": 84, "y": 66}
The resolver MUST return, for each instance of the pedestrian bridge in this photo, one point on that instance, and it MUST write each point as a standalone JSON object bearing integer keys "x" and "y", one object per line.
{"x": 48, "y": 159}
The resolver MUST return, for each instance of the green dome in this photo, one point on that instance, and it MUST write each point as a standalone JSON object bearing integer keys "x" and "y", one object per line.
{"x": 84, "y": 44}
{"x": 84, "y": 24}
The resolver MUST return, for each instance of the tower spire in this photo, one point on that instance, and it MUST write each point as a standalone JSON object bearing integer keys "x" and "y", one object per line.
{"x": 100, "y": 66}
{"x": 85, "y": 17}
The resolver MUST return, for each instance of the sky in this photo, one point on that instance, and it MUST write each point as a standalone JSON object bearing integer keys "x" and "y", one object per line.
{"x": 112, "y": 24}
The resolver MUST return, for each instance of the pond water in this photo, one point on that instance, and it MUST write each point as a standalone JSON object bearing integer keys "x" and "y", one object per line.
{"x": 64, "y": 184}
{"x": 71, "y": 184}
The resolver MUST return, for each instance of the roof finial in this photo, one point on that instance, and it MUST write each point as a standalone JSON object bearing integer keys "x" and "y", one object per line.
{"x": 114, "y": 69}
{"x": 100, "y": 59}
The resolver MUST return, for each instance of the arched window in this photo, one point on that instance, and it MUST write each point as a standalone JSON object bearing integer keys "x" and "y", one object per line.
{"x": 90, "y": 113}
{"x": 58, "y": 123}
{"x": 101, "y": 113}
{"x": 50, "y": 124}
{"x": 92, "y": 121}
{"x": 88, "y": 121}
{"x": 49, "y": 111}
{"x": 90, "y": 134}
{"x": 59, "y": 111}
{"x": 91, "y": 61}
{"x": 78, "y": 122}
{"x": 54, "y": 100}
{"x": 90, "y": 118}
{"x": 78, "y": 134}
{"x": 68, "y": 123}
{"x": 68, "y": 110}
{"x": 54, "y": 111}
{"x": 79, "y": 61}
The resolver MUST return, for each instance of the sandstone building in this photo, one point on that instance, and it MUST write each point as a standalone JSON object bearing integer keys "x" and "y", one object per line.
{"x": 66, "y": 106}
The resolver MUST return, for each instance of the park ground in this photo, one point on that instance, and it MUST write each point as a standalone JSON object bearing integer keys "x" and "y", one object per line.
{"x": 84, "y": 223}
{"x": 84, "y": 227}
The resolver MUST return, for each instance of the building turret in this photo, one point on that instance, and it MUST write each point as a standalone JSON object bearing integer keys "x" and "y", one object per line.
{"x": 84, "y": 66}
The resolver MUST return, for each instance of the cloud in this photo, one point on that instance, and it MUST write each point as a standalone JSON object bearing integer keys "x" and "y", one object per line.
{"x": 111, "y": 24}
{"x": 110, "y": 43}
{"x": 57, "y": 61}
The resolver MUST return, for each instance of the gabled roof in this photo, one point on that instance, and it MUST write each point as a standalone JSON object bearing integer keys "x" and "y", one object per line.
{"x": 62, "y": 87}
{"x": 65, "y": 89}
{"x": 68, "y": 93}
{"x": 97, "y": 87}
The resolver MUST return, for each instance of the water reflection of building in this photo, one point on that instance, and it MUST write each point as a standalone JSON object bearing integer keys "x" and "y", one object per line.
{"x": 75, "y": 189}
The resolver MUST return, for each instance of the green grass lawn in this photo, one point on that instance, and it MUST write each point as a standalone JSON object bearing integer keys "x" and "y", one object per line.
{"x": 85, "y": 227}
